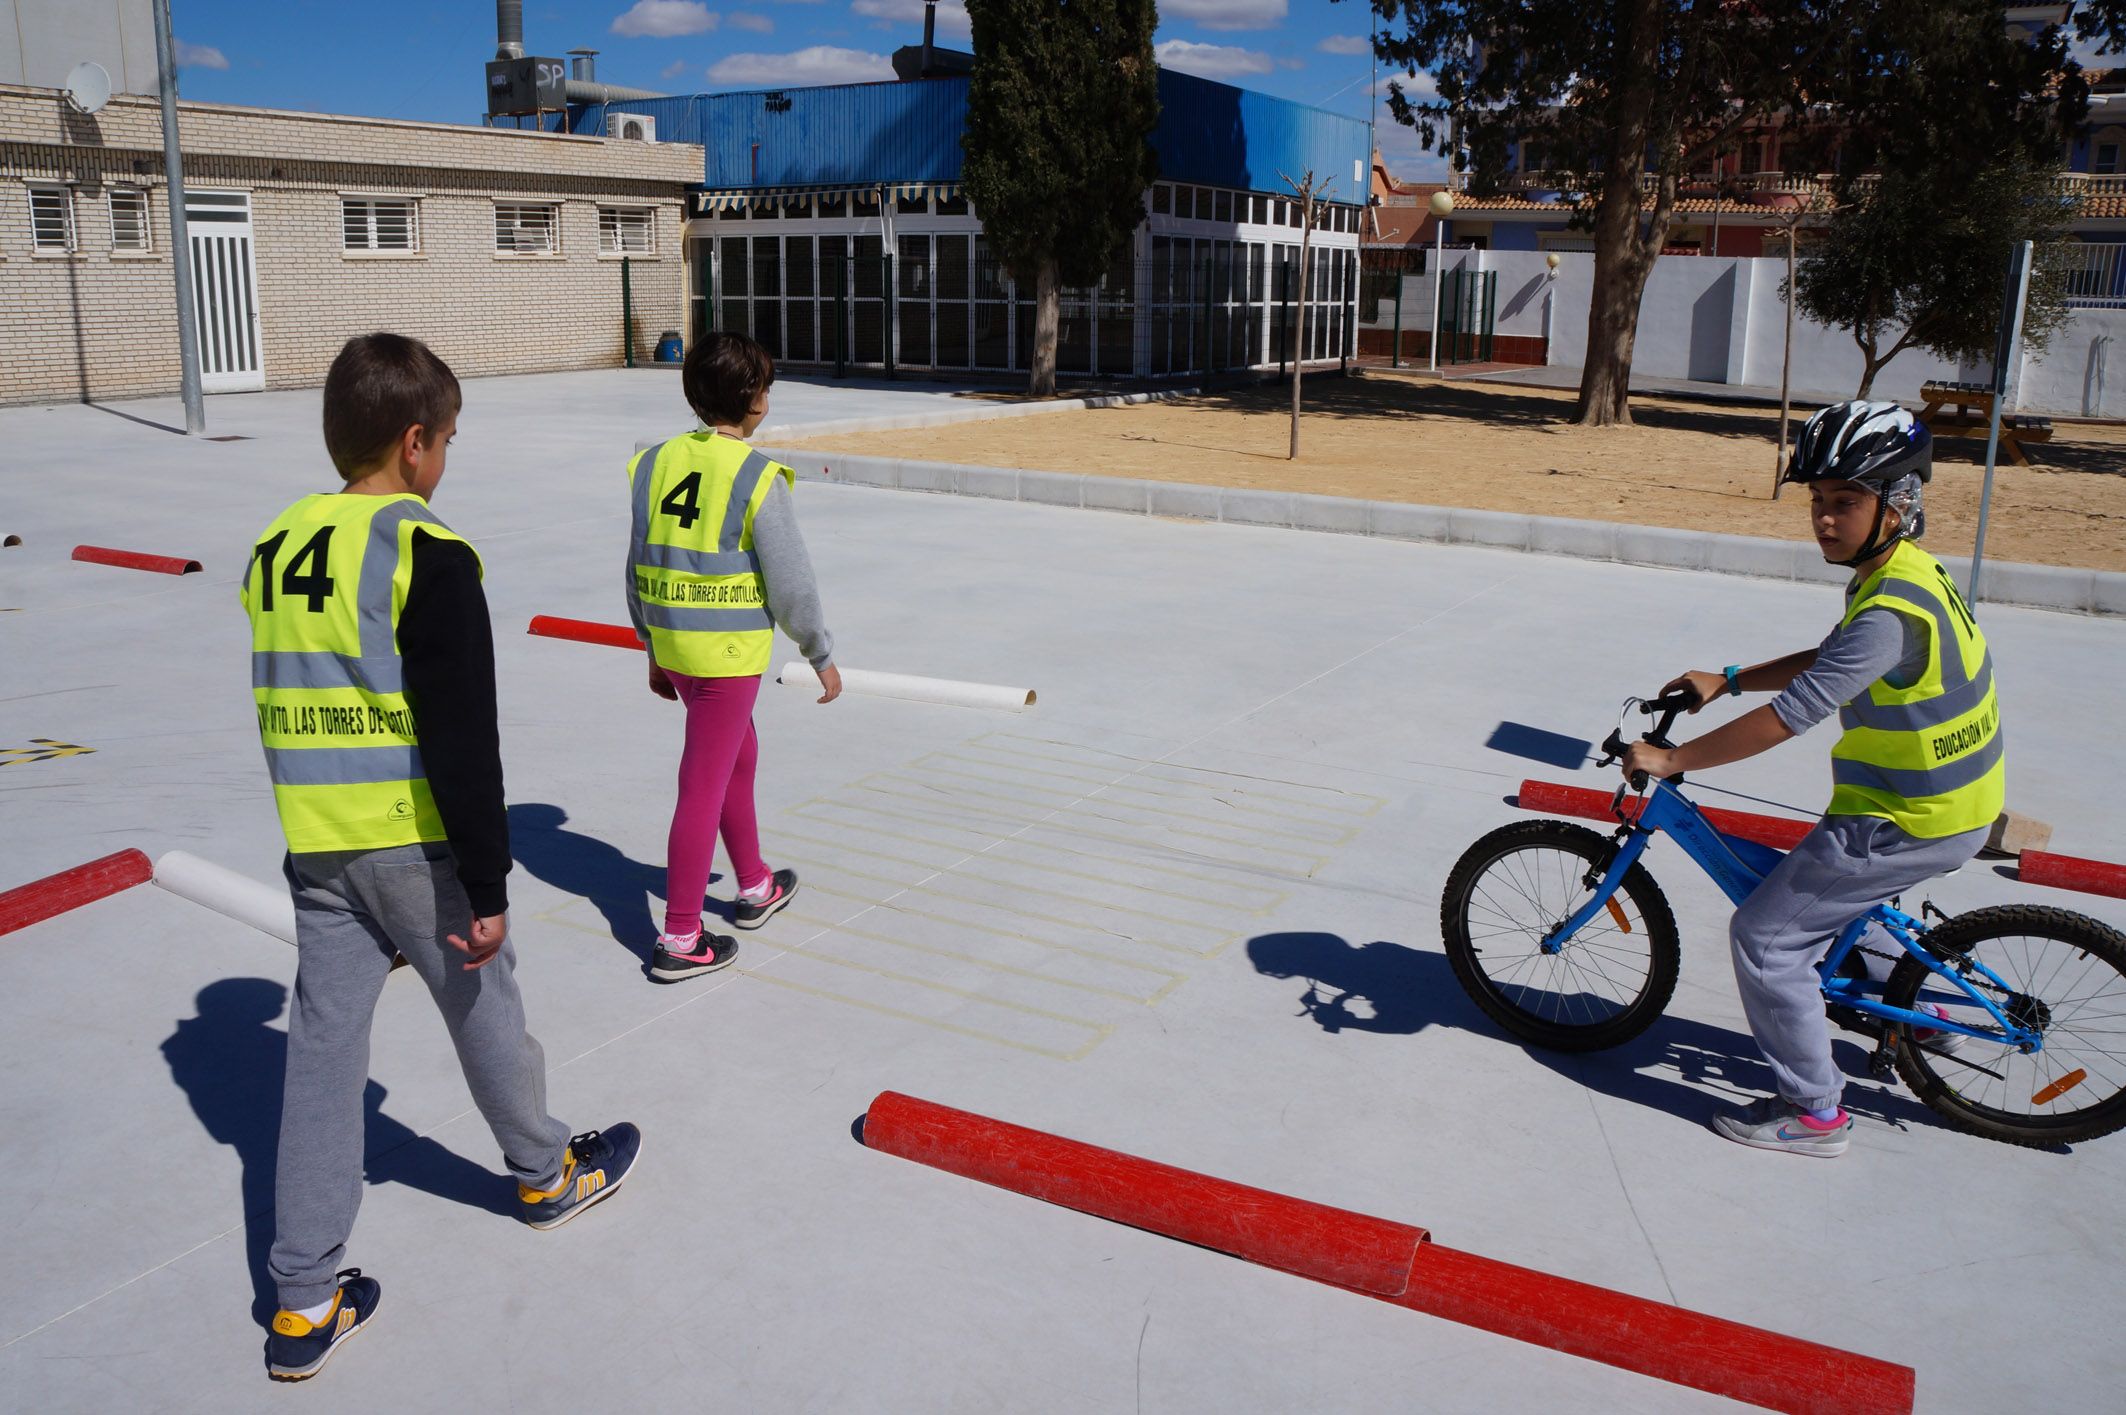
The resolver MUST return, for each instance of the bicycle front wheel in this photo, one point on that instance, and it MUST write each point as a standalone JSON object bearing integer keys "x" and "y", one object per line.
{"x": 1510, "y": 891}
{"x": 2065, "y": 976}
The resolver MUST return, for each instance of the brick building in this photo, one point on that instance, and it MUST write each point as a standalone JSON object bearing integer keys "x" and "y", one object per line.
{"x": 500, "y": 248}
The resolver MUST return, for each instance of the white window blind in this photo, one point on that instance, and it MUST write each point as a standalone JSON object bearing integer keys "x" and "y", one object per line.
{"x": 129, "y": 219}
{"x": 51, "y": 219}
{"x": 627, "y": 230}
{"x": 525, "y": 230}
{"x": 379, "y": 224}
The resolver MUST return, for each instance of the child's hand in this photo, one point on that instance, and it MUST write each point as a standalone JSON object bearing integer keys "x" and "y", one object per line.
{"x": 487, "y": 938}
{"x": 1657, "y": 762}
{"x": 830, "y": 678}
{"x": 661, "y": 685}
{"x": 1704, "y": 686}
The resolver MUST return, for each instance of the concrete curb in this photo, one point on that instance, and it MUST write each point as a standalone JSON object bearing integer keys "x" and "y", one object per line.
{"x": 964, "y": 415}
{"x": 2033, "y": 586}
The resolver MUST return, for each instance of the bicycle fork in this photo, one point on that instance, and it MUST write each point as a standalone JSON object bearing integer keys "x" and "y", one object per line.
{"x": 1625, "y": 848}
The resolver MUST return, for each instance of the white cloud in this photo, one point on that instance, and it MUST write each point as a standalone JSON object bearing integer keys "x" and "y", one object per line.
{"x": 1226, "y": 14}
{"x": 952, "y": 14}
{"x": 1344, "y": 44}
{"x": 673, "y": 70}
{"x": 663, "y": 19}
{"x": 820, "y": 64}
{"x": 1211, "y": 61}
{"x": 758, "y": 24}
{"x": 198, "y": 56}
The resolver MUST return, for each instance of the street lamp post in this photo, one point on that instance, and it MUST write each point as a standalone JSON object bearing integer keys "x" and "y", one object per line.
{"x": 1442, "y": 207}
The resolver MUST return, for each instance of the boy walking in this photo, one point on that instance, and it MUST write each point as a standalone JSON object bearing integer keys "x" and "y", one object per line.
{"x": 372, "y": 668}
{"x": 1917, "y": 778}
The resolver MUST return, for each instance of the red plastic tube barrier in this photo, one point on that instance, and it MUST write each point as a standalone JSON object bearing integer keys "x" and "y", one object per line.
{"x": 136, "y": 560}
{"x": 1775, "y": 831}
{"x": 1335, "y": 1246}
{"x": 2072, "y": 872}
{"x": 1393, "y": 1262}
{"x": 616, "y": 636}
{"x": 70, "y": 889}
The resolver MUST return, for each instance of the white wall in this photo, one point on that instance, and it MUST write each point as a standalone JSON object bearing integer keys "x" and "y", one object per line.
{"x": 1721, "y": 320}
{"x": 1524, "y": 292}
{"x": 42, "y": 40}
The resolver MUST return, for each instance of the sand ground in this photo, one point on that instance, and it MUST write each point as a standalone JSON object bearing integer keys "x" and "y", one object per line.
{"x": 1689, "y": 465}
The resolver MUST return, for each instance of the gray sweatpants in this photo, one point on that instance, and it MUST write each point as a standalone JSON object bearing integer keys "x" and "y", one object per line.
{"x": 353, "y": 912}
{"x": 1840, "y": 870}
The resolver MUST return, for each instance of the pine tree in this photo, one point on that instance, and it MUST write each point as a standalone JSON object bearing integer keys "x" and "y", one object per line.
{"x": 1060, "y": 112}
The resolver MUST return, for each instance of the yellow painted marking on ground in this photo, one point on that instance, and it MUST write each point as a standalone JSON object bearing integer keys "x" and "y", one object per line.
{"x": 42, "y": 749}
{"x": 1191, "y": 790}
{"x": 930, "y": 887}
{"x": 1077, "y": 801}
{"x": 1146, "y": 765}
{"x": 932, "y": 818}
{"x": 812, "y": 951}
{"x": 1107, "y": 882}
{"x": 922, "y": 792}
{"x": 869, "y": 1006}
{"x": 1172, "y": 978}
{"x": 1223, "y": 940}
{"x": 1271, "y": 898}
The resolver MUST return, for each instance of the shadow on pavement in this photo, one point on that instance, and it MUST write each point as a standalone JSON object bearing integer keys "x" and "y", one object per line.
{"x": 1393, "y": 988}
{"x": 230, "y": 1062}
{"x": 591, "y": 869}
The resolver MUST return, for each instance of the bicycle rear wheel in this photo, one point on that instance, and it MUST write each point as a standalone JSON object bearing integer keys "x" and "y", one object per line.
{"x": 2066, "y": 976}
{"x": 1510, "y": 890}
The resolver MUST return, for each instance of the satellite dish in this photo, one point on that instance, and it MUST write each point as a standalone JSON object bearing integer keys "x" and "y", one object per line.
{"x": 88, "y": 87}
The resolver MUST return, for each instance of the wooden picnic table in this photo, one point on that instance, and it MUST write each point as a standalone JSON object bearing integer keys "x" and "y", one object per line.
{"x": 1966, "y": 410}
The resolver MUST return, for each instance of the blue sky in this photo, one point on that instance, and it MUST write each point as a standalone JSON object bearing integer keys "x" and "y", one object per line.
{"x": 408, "y": 59}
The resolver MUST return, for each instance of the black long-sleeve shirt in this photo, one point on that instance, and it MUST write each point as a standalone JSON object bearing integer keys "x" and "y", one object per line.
{"x": 447, "y": 648}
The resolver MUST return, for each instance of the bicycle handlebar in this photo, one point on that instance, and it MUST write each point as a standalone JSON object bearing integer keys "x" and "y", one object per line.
{"x": 1669, "y": 708}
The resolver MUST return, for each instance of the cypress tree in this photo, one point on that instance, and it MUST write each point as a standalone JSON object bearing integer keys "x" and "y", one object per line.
{"x": 1060, "y": 111}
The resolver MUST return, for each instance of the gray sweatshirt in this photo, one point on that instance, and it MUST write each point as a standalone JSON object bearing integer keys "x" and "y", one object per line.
{"x": 786, "y": 573}
{"x": 1879, "y": 643}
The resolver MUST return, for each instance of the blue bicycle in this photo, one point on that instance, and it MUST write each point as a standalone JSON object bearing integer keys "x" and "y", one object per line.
{"x": 2010, "y": 1021}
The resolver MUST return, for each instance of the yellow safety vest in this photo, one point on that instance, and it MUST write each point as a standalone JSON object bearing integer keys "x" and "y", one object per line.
{"x": 696, "y": 575}
{"x": 324, "y": 589}
{"x": 1928, "y": 757}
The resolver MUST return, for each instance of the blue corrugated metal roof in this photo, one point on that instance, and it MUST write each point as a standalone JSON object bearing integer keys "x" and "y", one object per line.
{"x": 860, "y": 134}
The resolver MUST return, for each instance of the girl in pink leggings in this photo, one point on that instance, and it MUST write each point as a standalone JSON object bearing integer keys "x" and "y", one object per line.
{"x": 715, "y": 564}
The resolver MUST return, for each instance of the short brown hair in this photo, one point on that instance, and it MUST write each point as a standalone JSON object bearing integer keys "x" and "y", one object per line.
{"x": 723, "y": 374}
{"x": 380, "y": 385}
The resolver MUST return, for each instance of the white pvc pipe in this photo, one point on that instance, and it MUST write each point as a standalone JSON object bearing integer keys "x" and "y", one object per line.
{"x": 226, "y": 892}
{"x": 947, "y": 691}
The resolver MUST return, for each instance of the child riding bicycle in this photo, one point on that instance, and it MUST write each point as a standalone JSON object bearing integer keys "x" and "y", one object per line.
{"x": 1917, "y": 777}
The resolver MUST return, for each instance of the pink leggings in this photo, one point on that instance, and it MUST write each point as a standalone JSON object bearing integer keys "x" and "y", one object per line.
{"x": 715, "y": 794}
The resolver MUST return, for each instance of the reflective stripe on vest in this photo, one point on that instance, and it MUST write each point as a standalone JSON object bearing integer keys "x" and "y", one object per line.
{"x": 696, "y": 576}
{"x": 1928, "y": 757}
{"x": 324, "y": 590}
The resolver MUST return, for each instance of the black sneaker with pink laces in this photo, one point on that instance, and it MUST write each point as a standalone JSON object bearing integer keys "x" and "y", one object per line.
{"x": 751, "y": 914}
{"x": 675, "y": 958}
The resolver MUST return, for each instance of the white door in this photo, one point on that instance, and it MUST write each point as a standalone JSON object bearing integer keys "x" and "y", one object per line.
{"x": 224, "y": 291}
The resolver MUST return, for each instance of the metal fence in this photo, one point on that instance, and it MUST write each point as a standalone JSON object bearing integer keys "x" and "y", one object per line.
{"x": 2096, "y": 275}
{"x": 941, "y": 302}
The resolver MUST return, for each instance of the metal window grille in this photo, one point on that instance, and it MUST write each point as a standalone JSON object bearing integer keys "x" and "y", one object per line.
{"x": 129, "y": 220}
{"x": 627, "y": 230}
{"x": 525, "y": 230}
{"x": 379, "y": 224}
{"x": 2096, "y": 274}
{"x": 51, "y": 219}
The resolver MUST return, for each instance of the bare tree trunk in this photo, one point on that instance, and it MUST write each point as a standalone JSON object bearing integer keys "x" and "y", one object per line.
{"x": 1047, "y": 315}
{"x": 1621, "y": 260}
{"x": 1299, "y": 362}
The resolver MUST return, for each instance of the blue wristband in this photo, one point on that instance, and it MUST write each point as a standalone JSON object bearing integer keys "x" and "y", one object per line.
{"x": 1734, "y": 679}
